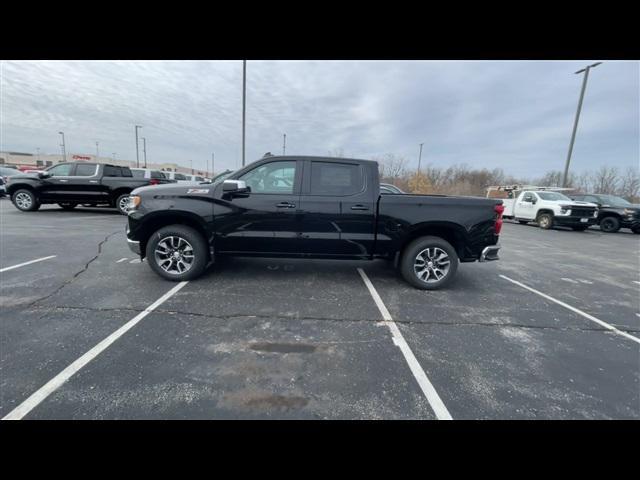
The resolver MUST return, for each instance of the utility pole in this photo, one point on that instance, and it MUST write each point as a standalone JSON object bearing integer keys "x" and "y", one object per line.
{"x": 575, "y": 123}
{"x": 144, "y": 149}
{"x": 212, "y": 159}
{"x": 420, "y": 157}
{"x": 244, "y": 106}
{"x": 97, "y": 152}
{"x": 38, "y": 150}
{"x": 284, "y": 143}
{"x": 64, "y": 148}
{"x": 137, "y": 150}
{"x": 191, "y": 162}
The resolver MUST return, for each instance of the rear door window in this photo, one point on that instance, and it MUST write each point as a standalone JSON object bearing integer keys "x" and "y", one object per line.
{"x": 341, "y": 179}
{"x": 138, "y": 173}
{"x": 110, "y": 171}
{"x": 157, "y": 174}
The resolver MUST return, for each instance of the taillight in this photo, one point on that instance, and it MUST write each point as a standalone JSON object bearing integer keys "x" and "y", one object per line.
{"x": 499, "y": 209}
{"x": 154, "y": 181}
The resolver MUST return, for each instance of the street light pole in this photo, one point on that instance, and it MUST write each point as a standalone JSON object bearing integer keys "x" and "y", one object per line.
{"x": 212, "y": 160}
{"x": 137, "y": 150}
{"x": 575, "y": 123}
{"x": 64, "y": 148}
{"x": 97, "y": 152}
{"x": 284, "y": 143}
{"x": 244, "y": 105}
{"x": 144, "y": 149}
{"x": 420, "y": 157}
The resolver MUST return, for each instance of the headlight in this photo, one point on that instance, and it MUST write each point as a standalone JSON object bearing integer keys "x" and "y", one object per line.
{"x": 134, "y": 202}
{"x": 565, "y": 211}
{"x": 595, "y": 213}
{"x": 629, "y": 212}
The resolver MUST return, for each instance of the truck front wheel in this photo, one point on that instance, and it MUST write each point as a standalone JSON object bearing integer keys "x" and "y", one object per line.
{"x": 25, "y": 200}
{"x": 177, "y": 253}
{"x": 122, "y": 203}
{"x": 610, "y": 224}
{"x": 429, "y": 263}
{"x": 545, "y": 221}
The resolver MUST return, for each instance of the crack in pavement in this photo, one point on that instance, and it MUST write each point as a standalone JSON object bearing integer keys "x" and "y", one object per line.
{"x": 79, "y": 272}
{"x": 327, "y": 319}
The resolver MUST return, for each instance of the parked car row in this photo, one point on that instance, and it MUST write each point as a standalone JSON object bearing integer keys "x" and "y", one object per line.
{"x": 549, "y": 207}
{"x": 70, "y": 184}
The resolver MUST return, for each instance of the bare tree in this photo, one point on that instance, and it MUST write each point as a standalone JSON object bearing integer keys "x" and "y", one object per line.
{"x": 605, "y": 180}
{"x": 336, "y": 152}
{"x": 630, "y": 184}
{"x": 392, "y": 168}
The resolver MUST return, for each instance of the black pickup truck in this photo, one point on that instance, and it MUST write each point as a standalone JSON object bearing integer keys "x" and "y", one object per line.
{"x": 75, "y": 183}
{"x": 310, "y": 207}
{"x": 614, "y": 212}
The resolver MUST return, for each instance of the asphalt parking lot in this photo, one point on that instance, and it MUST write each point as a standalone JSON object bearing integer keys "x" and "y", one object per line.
{"x": 551, "y": 331}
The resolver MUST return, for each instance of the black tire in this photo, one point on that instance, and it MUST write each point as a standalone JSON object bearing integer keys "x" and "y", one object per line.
{"x": 25, "y": 200}
{"x": 192, "y": 238}
{"x": 523, "y": 222}
{"x": 579, "y": 229}
{"x": 68, "y": 206}
{"x": 121, "y": 203}
{"x": 545, "y": 221}
{"x": 610, "y": 224}
{"x": 410, "y": 260}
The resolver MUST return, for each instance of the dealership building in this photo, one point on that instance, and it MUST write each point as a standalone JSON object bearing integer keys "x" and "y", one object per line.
{"x": 41, "y": 161}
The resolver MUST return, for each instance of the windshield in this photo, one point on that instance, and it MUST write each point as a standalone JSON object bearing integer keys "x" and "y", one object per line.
{"x": 221, "y": 177}
{"x": 614, "y": 201}
{"x": 553, "y": 196}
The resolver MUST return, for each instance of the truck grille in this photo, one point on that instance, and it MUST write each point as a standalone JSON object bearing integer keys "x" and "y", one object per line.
{"x": 582, "y": 211}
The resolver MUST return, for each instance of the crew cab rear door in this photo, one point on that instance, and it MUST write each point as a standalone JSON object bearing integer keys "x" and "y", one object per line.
{"x": 337, "y": 208}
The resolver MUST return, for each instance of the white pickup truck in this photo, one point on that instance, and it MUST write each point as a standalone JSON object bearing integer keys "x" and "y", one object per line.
{"x": 550, "y": 209}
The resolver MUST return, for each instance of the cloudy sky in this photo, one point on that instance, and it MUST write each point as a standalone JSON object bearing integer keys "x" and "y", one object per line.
{"x": 516, "y": 115}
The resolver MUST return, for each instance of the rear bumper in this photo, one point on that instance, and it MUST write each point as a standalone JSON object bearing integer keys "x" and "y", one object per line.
{"x": 489, "y": 253}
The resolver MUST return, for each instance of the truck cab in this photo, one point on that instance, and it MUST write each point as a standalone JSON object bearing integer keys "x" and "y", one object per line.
{"x": 549, "y": 209}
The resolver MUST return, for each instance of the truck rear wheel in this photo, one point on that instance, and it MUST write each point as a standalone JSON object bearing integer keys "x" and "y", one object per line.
{"x": 122, "y": 203}
{"x": 177, "y": 253}
{"x": 429, "y": 263}
{"x": 545, "y": 221}
{"x": 25, "y": 200}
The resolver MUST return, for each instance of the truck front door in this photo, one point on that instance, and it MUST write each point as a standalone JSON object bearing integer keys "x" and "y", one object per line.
{"x": 265, "y": 220}
{"x": 525, "y": 206}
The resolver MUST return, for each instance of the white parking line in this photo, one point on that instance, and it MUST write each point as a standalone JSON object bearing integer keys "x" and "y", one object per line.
{"x": 568, "y": 280}
{"x": 26, "y": 263}
{"x": 56, "y": 382}
{"x": 122, "y": 260}
{"x": 573, "y": 309}
{"x": 136, "y": 260}
{"x": 636, "y": 282}
{"x": 427, "y": 388}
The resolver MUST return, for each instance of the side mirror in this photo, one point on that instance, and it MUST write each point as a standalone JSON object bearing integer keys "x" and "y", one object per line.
{"x": 534, "y": 201}
{"x": 44, "y": 175}
{"x": 235, "y": 186}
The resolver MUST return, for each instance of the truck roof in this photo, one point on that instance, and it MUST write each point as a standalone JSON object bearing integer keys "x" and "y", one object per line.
{"x": 312, "y": 157}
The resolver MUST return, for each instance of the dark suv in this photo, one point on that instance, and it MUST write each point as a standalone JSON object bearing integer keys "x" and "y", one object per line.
{"x": 614, "y": 212}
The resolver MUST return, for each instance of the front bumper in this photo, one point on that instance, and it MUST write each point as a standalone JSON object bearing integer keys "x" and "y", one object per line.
{"x": 574, "y": 221}
{"x": 134, "y": 246}
{"x": 490, "y": 253}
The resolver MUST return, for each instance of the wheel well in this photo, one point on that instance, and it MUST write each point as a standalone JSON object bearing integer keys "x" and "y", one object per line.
{"x": 118, "y": 192}
{"x": 154, "y": 224}
{"x": 449, "y": 233}
{"x": 610, "y": 214}
{"x": 540, "y": 212}
{"x": 11, "y": 189}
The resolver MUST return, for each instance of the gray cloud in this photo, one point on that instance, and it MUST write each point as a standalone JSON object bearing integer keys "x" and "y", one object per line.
{"x": 515, "y": 115}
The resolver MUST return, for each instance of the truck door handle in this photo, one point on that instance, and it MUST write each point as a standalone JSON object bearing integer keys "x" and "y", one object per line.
{"x": 62, "y": 180}
{"x": 285, "y": 205}
{"x": 359, "y": 207}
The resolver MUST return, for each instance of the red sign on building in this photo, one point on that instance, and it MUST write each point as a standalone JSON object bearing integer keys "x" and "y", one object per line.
{"x": 80, "y": 157}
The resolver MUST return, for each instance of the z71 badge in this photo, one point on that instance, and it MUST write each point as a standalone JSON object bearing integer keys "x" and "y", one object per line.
{"x": 198, "y": 190}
